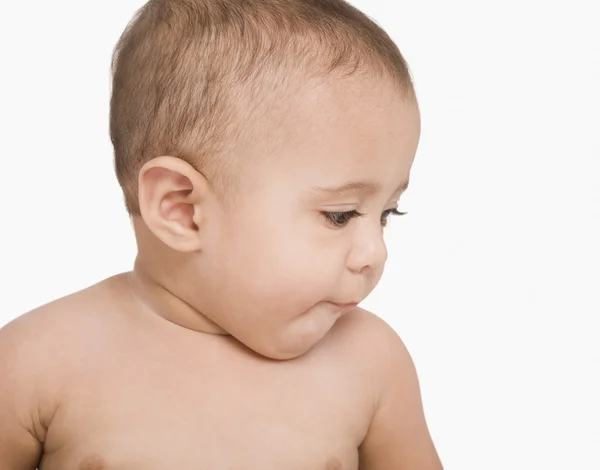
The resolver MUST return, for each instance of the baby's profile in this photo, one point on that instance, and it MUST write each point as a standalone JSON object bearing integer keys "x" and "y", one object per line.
{"x": 261, "y": 146}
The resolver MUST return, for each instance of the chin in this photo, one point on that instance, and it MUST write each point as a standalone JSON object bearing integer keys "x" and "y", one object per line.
{"x": 293, "y": 347}
{"x": 284, "y": 347}
{"x": 284, "y": 352}
{"x": 298, "y": 337}
{"x": 283, "y": 356}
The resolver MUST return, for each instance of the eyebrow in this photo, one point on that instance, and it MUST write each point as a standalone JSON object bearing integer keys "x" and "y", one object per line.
{"x": 370, "y": 187}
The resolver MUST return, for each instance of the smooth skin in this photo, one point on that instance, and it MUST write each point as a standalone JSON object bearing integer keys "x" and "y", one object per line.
{"x": 226, "y": 347}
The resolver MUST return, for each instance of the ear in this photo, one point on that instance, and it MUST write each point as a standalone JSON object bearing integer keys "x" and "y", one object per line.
{"x": 172, "y": 197}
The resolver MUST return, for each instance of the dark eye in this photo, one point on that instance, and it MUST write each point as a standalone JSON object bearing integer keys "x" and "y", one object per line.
{"x": 387, "y": 213}
{"x": 340, "y": 219}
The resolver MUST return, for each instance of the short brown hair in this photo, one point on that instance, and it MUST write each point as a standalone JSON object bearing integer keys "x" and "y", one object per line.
{"x": 187, "y": 74}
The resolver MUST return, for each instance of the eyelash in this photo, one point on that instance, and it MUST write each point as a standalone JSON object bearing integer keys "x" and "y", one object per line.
{"x": 333, "y": 217}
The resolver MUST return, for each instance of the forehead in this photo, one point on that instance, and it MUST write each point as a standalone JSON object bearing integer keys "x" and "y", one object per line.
{"x": 339, "y": 131}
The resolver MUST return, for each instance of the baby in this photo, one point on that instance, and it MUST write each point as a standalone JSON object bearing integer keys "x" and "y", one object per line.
{"x": 261, "y": 146}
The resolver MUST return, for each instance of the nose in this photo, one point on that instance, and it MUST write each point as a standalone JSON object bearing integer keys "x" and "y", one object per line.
{"x": 368, "y": 252}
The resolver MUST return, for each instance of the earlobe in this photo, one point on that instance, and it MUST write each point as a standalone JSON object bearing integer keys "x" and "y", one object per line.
{"x": 171, "y": 195}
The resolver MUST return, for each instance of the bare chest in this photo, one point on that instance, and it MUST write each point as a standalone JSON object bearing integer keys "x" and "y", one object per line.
{"x": 213, "y": 413}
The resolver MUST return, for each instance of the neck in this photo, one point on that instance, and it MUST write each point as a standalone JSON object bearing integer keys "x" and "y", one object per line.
{"x": 155, "y": 298}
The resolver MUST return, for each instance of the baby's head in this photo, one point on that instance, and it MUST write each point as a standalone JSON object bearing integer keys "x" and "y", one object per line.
{"x": 248, "y": 136}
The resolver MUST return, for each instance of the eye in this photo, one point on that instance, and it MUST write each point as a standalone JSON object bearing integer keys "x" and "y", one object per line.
{"x": 340, "y": 219}
{"x": 389, "y": 212}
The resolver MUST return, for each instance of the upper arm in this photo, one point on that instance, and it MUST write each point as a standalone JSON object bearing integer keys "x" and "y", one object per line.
{"x": 20, "y": 421}
{"x": 398, "y": 437}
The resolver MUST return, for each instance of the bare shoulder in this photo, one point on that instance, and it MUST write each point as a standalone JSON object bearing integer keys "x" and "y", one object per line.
{"x": 372, "y": 338}
{"x": 44, "y": 345}
{"x": 369, "y": 325}
{"x": 36, "y": 352}
{"x": 52, "y": 330}
{"x": 366, "y": 345}
{"x": 29, "y": 357}
{"x": 398, "y": 435}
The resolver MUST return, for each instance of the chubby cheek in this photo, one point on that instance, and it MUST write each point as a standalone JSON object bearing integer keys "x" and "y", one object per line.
{"x": 293, "y": 274}
{"x": 275, "y": 287}
{"x": 283, "y": 268}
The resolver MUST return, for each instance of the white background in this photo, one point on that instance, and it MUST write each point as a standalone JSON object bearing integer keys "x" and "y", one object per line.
{"x": 493, "y": 279}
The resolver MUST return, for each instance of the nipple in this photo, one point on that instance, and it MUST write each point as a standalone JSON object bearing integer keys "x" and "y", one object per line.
{"x": 93, "y": 462}
{"x": 334, "y": 464}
